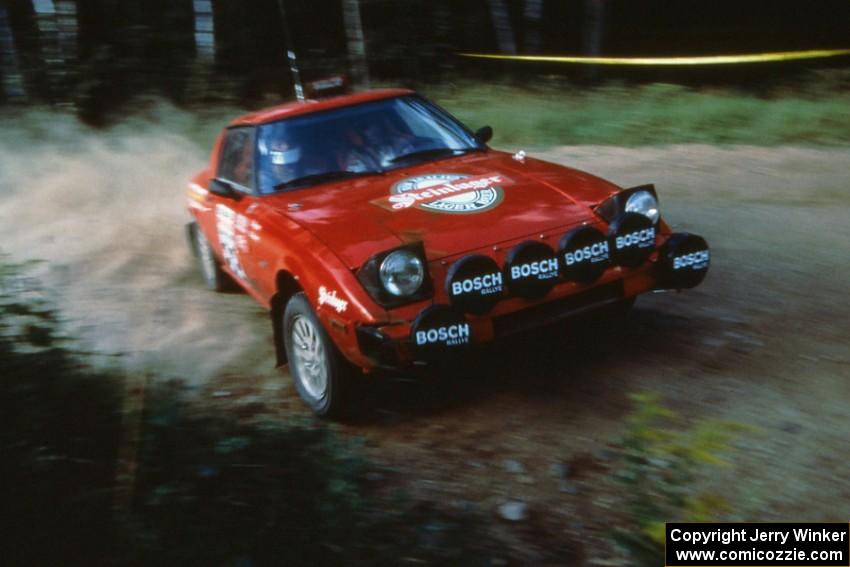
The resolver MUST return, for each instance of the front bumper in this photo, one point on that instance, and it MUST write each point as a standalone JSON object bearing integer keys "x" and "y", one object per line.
{"x": 396, "y": 345}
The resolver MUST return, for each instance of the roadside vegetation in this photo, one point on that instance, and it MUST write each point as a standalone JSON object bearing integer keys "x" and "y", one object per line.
{"x": 550, "y": 112}
{"x": 813, "y": 111}
{"x": 661, "y": 475}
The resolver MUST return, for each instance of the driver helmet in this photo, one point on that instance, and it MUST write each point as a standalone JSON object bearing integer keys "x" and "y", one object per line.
{"x": 282, "y": 154}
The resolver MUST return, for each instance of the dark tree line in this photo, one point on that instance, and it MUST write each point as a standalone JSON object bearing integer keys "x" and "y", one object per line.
{"x": 96, "y": 54}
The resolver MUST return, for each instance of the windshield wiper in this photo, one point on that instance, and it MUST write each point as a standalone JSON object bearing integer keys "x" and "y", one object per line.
{"x": 433, "y": 152}
{"x": 315, "y": 178}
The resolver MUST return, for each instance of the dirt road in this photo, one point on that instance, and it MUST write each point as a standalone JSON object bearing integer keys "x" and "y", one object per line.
{"x": 764, "y": 341}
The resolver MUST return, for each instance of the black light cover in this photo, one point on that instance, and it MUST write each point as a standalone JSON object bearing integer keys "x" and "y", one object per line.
{"x": 584, "y": 254}
{"x": 475, "y": 284}
{"x": 632, "y": 239}
{"x": 440, "y": 329}
{"x": 531, "y": 269}
{"x": 685, "y": 259}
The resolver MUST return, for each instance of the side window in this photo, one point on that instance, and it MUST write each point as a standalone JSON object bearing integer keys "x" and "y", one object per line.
{"x": 236, "y": 163}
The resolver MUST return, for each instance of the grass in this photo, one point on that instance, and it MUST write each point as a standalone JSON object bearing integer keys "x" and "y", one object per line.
{"x": 816, "y": 112}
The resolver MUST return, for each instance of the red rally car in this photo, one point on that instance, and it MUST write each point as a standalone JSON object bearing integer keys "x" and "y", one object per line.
{"x": 380, "y": 232}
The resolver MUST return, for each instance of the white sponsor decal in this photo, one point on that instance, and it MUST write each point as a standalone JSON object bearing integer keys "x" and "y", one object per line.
{"x": 330, "y": 298}
{"x": 487, "y": 284}
{"x": 226, "y": 221}
{"x": 695, "y": 260}
{"x": 595, "y": 253}
{"x": 405, "y": 200}
{"x": 446, "y": 193}
{"x": 542, "y": 270}
{"x": 640, "y": 238}
{"x": 451, "y": 335}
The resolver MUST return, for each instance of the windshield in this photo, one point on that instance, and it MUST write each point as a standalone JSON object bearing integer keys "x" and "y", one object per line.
{"x": 356, "y": 140}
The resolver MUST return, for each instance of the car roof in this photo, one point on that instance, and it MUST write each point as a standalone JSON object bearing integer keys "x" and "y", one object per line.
{"x": 290, "y": 109}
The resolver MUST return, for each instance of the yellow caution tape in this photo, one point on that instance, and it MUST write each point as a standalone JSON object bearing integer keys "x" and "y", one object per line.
{"x": 700, "y": 60}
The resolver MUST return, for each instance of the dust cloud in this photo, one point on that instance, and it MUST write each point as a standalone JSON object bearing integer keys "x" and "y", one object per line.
{"x": 104, "y": 210}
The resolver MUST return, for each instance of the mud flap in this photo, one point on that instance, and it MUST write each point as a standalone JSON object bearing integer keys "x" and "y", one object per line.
{"x": 277, "y": 331}
{"x": 190, "y": 228}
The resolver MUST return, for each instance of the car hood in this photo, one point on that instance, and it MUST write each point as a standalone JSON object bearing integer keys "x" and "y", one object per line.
{"x": 475, "y": 200}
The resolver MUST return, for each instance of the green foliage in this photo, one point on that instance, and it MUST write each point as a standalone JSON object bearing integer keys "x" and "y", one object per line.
{"x": 816, "y": 111}
{"x": 661, "y": 466}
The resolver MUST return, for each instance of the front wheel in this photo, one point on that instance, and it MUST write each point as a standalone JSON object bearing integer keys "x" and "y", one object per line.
{"x": 322, "y": 376}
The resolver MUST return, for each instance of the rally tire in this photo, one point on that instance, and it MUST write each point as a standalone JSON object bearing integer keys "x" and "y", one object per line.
{"x": 322, "y": 376}
{"x": 215, "y": 279}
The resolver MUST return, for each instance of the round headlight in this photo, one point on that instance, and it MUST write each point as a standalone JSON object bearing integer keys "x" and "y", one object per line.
{"x": 645, "y": 203}
{"x": 402, "y": 273}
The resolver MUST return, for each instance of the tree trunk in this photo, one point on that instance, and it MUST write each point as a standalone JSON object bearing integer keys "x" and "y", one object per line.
{"x": 67, "y": 30}
{"x": 594, "y": 27}
{"x": 57, "y": 31}
{"x": 502, "y": 25}
{"x": 443, "y": 40}
{"x": 14, "y": 88}
{"x": 532, "y": 14}
{"x": 48, "y": 41}
{"x": 290, "y": 53}
{"x": 204, "y": 29}
{"x": 356, "y": 43}
{"x": 202, "y": 67}
{"x": 593, "y": 35}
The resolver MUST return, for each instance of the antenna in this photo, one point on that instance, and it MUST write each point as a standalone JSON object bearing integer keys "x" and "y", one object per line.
{"x": 290, "y": 54}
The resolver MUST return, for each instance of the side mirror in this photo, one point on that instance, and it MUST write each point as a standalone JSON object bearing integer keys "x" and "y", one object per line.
{"x": 223, "y": 188}
{"x": 484, "y": 134}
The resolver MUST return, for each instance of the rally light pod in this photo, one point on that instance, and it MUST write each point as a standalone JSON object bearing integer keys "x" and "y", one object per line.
{"x": 684, "y": 260}
{"x": 439, "y": 330}
{"x": 475, "y": 284}
{"x": 584, "y": 254}
{"x": 531, "y": 269}
{"x": 632, "y": 239}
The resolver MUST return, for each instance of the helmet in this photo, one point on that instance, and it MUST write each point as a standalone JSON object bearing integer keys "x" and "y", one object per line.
{"x": 282, "y": 154}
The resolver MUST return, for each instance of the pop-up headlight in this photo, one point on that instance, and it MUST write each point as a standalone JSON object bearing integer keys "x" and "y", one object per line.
{"x": 642, "y": 200}
{"x": 397, "y": 277}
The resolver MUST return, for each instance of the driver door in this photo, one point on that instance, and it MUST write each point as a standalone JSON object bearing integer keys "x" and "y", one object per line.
{"x": 231, "y": 213}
